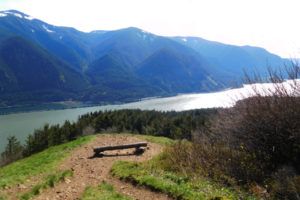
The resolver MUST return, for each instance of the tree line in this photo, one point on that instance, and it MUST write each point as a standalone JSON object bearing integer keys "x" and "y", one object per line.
{"x": 176, "y": 125}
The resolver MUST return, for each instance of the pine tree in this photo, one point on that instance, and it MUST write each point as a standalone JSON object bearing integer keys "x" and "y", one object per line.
{"x": 13, "y": 151}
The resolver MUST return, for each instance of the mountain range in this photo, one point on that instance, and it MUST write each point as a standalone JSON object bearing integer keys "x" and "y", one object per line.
{"x": 42, "y": 63}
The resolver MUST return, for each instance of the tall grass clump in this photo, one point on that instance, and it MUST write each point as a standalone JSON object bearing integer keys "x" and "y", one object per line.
{"x": 47, "y": 182}
{"x": 102, "y": 192}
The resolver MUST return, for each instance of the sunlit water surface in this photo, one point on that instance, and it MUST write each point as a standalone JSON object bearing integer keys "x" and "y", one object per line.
{"x": 22, "y": 124}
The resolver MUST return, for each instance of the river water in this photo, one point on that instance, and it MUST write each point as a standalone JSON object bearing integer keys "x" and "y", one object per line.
{"x": 22, "y": 124}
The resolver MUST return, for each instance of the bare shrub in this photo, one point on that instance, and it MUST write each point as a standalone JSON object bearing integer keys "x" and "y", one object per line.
{"x": 89, "y": 130}
{"x": 252, "y": 142}
{"x": 179, "y": 157}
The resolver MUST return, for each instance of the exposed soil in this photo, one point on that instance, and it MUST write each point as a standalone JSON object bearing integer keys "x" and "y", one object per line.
{"x": 90, "y": 171}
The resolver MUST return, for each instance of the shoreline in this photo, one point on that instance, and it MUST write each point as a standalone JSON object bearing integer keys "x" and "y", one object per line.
{"x": 63, "y": 105}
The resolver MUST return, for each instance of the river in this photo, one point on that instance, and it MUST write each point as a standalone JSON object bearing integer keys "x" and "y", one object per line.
{"x": 22, "y": 124}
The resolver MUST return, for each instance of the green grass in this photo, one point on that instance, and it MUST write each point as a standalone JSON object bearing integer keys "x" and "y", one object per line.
{"x": 47, "y": 182}
{"x": 3, "y": 197}
{"x": 175, "y": 185}
{"x": 151, "y": 174}
{"x": 102, "y": 192}
{"x": 44, "y": 162}
{"x": 159, "y": 140}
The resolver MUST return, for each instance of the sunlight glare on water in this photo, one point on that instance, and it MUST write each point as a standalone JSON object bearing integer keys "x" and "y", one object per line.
{"x": 22, "y": 124}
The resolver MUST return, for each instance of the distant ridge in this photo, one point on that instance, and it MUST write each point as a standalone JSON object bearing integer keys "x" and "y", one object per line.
{"x": 234, "y": 59}
{"x": 40, "y": 63}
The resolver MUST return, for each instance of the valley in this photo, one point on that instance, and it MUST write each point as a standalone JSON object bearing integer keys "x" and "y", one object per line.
{"x": 221, "y": 121}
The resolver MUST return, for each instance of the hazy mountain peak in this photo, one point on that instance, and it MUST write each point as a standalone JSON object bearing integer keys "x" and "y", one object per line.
{"x": 184, "y": 39}
{"x": 98, "y": 32}
{"x": 139, "y": 32}
{"x": 15, "y": 13}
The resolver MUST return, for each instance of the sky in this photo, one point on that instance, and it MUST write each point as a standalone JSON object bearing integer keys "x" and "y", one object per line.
{"x": 271, "y": 24}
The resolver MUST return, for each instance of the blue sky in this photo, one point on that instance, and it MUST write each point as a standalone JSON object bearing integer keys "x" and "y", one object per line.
{"x": 272, "y": 24}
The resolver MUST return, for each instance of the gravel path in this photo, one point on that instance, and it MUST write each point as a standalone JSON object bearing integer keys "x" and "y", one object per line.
{"x": 92, "y": 171}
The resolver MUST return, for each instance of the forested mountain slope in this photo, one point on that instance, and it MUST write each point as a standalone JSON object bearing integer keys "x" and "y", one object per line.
{"x": 42, "y": 63}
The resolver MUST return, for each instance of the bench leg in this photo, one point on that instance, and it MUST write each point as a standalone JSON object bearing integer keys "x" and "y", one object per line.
{"x": 97, "y": 155}
{"x": 139, "y": 151}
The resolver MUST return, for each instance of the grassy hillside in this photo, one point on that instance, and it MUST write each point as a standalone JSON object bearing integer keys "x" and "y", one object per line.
{"x": 43, "y": 164}
{"x": 158, "y": 175}
{"x": 151, "y": 174}
{"x": 177, "y": 186}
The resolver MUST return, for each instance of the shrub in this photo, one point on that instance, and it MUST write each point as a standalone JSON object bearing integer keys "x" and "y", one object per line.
{"x": 253, "y": 142}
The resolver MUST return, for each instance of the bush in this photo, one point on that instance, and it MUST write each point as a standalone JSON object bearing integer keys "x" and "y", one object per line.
{"x": 253, "y": 142}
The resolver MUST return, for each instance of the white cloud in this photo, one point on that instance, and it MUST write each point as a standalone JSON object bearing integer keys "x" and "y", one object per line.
{"x": 272, "y": 24}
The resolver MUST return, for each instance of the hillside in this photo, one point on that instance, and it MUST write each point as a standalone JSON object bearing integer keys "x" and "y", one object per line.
{"x": 234, "y": 59}
{"x": 112, "y": 66}
{"x": 205, "y": 161}
{"x": 74, "y": 173}
{"x": 61, "y": 41}
{"x": 85, "y": 172}
{"x": 92, "y": 172}
{"x": 108, "y": 74}
{"x": 176, "y": 72}
{"x": 28, "y": 69}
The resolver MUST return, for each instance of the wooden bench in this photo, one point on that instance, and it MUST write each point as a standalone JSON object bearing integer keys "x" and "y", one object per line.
{"x": 98, "y": 150}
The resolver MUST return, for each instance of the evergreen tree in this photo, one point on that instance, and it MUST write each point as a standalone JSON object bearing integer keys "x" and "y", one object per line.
{"x": 13, "y": 151}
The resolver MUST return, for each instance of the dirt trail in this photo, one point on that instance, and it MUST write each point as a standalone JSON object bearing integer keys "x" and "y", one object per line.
{"x": 91, "y": 172}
